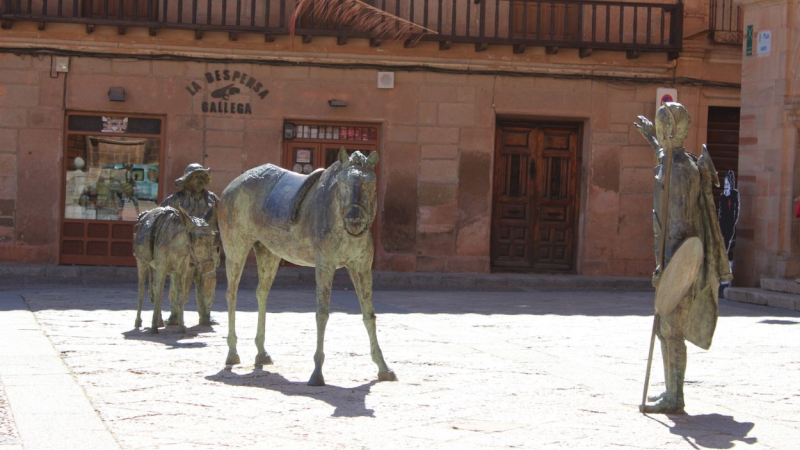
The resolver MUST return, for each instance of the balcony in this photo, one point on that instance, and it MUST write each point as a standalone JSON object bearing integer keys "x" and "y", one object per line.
{"x": 725, "y": 22}
{"x": 587, "y": 25}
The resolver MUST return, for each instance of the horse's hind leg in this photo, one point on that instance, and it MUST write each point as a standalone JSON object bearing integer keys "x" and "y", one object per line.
{"x": 268, "y": 264}
{"x": 362, "y": 280}
{"x": 141, "y": 268}
{"x": 234, "y": 264}
{"x": 324, "y": 282}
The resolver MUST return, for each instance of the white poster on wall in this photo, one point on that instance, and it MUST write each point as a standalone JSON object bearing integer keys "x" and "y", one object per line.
{"x": 764, "y": 42}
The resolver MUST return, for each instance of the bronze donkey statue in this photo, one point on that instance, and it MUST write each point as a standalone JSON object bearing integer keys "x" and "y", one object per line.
{"x": 165, "y": 239}
{"x": 319, "y": 220}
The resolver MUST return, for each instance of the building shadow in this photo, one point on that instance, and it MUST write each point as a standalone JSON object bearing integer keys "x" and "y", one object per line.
{"x": 709, "y": 430}
{"x": 347, "y": 401}
{"x": 169, "y": 336}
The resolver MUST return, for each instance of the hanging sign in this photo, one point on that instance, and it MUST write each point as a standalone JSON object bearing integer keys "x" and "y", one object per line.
{"x": 115, "y": 124}
{"x": 226, "y": 88}
{"x": 748, "y": 49}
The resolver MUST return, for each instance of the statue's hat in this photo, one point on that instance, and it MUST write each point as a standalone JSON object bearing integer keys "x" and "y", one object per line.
{"x": 191, "y": 169}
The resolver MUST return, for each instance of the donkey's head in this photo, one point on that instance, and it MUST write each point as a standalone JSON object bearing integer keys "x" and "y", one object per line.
{"x": 356, "y": 188}
{"x": 204, "y": 242}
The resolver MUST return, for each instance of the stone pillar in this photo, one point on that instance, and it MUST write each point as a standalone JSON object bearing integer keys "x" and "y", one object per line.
{"x": 768, "y": 235}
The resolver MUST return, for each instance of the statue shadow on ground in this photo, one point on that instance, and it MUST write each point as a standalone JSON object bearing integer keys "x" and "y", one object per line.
{"x": 709, "y": 430}
{"x": 347, "y": 401}
{"x": 779, "y": 322}
{"x": 169, "y": 336}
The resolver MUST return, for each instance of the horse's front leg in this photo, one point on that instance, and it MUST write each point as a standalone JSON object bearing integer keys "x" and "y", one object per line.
{"x": 268, "y": 264}
{"x": 361, "y": 274}
{"x": 234, "y": 265}
{"x": 158, "y": 277}
{"x": 324, "y": 276}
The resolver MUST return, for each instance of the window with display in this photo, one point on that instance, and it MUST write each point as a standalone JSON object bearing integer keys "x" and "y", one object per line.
{"x": 111, "y": 174}
{"x": 316, "y": 145}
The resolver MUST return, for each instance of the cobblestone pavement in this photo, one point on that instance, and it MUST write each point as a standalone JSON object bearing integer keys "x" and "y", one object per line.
{"x": 8, "y": 430}
{"x": 476, "y": 370}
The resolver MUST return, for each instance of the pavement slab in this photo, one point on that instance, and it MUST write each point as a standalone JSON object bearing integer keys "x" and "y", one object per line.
{"x": 476, "y": 369}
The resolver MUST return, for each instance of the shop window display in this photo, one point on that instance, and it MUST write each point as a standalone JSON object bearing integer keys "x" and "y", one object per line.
{"x": 111, "y": 174}
{"x": 110, "y": 177}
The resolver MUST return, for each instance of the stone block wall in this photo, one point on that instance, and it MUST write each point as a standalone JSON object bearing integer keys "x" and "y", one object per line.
{"x": 437, "y": 148}
{"x": 769, "y": 146}
{"x": 31, "y": 123}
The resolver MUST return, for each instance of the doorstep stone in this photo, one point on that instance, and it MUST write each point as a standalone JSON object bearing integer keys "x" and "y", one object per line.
{"x": 763, "y": 297}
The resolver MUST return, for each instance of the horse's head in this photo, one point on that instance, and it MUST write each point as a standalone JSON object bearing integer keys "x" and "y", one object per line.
{"x": 356, "y": 188}
{"x": 204, "y": 242}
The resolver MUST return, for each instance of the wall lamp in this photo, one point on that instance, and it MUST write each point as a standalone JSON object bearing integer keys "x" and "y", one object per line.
{"x": 337, "y": 103}
{"x": 116, "y": 94}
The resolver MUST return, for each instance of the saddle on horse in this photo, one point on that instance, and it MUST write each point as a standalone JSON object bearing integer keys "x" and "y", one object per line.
{"x": 287, "y": 193}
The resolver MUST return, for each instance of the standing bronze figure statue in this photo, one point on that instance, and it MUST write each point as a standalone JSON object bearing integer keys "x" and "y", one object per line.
{"x": 319, "y": 220}
{"x": 690, "y": 254}
{"x": 167, "y": 241}
{"x": 197, "y": 201}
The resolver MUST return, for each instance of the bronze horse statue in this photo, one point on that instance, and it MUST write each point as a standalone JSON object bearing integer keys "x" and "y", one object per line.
{"x": 165, "y": 241}
{"x": 319, "y": 220}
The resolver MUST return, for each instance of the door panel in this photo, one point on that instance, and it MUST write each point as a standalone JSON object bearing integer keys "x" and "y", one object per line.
{"x": 512, "y": 235}
{"x": 556, "y": 204}
{"x": 533, "y": 220}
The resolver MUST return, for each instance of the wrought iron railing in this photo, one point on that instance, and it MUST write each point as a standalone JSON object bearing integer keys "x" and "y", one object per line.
{"x": 584, "y": 24}
{"x": 725, "y": 21}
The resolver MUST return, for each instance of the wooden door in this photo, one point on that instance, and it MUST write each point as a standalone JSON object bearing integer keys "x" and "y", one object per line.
{"x": 723, "y": 142}
{"x": 535, "y": 198}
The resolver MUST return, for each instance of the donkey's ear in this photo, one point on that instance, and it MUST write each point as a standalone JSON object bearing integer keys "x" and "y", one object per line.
{"x": 344, "y": 157}
{"x": 372, "y": 161}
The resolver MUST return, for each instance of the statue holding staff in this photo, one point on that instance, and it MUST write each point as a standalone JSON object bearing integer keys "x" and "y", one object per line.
{"x": 690, "y": 253}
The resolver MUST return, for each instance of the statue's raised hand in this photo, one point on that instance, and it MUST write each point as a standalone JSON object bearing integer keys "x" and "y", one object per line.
{"x": 647, "y": 130}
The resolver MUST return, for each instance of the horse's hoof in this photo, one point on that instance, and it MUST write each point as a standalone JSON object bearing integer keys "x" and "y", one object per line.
{"x": 138, "y": 323}
{"x": 263, "y": 360}
{"x": 387, "y": 376}
{"x": 316, "y": 379}
{"x": 233, "y": 360}
{"x": 182, "y": 329}
{"x": 172, "y": 320}
{"x": 207, "y": 320}
{"x": 154, "y": 330}
{"x": 161, "y": 323}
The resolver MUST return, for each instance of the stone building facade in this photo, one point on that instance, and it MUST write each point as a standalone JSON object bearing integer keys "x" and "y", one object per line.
{"x": 770, "y": 144}
{"x": 439, "y": 130}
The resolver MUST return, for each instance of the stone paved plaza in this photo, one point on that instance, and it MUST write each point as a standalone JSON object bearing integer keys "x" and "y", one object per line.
{"x": 477, "y": 369}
